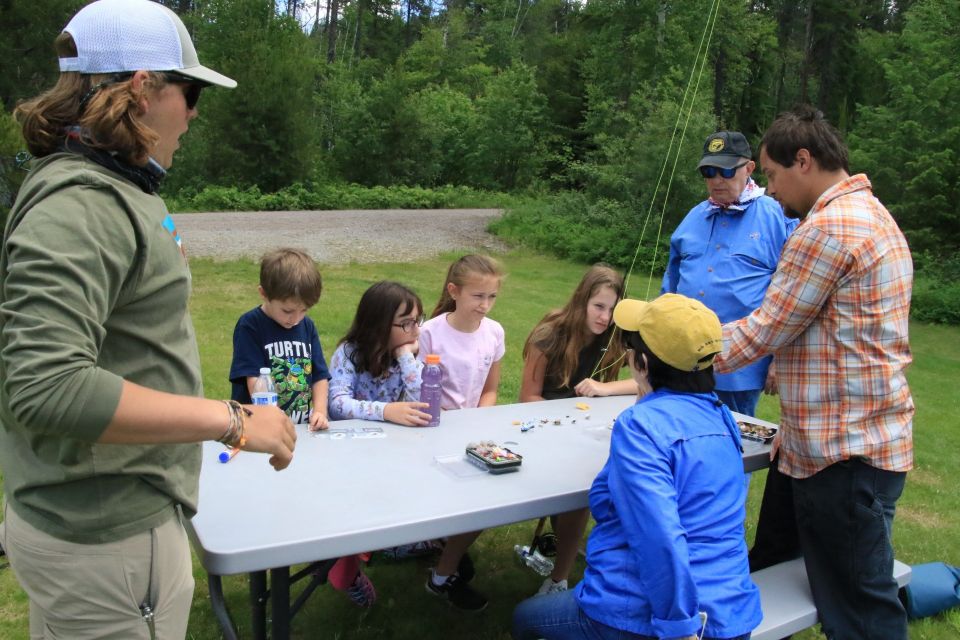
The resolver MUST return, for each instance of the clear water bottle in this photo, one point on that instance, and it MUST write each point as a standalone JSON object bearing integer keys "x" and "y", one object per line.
{"x": 534, "y": 559}
{"x": 430, "y": 388}
{"x": 263, "y": 390}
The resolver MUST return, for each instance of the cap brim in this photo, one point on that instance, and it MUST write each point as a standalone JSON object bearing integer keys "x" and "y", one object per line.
{"x": 722, "y": 160}
{"x": 209, "y": 76}
{"x": 628, "y": 312}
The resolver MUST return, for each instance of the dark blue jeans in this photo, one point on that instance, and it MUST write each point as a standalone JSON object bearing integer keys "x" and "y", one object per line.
{"x": 744, "y": 402}
{"x": 558, "y": 617}
{"x": 844, "y": 517}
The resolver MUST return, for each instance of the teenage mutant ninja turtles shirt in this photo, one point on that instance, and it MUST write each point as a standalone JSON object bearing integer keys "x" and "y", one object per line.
{"x": 294, "y": 356}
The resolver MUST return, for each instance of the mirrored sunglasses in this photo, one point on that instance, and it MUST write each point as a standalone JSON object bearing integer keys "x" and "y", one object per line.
{"x": 726, "y": 174}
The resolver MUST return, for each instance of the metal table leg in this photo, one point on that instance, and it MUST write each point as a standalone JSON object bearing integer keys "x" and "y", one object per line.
{"x": 215, "y": 587}
{"x": 280, "y": 605}
{"x": 258, "y": 604}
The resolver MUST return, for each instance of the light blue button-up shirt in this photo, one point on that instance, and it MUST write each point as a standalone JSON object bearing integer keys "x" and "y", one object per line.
{"x": 725, "y": 257}
{"x": 669, "y": 506}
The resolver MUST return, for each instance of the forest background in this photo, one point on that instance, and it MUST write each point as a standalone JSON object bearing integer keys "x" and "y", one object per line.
{"x": 567, "y": 113}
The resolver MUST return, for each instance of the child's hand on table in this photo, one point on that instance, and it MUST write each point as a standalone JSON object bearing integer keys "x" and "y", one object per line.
{"x": 318, "y": 420}
{"x": 408, "y": 414}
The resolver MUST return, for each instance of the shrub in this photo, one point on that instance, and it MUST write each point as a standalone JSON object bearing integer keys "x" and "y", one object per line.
{"x": 334, "y": 197}
{"x": 936, "y": 288}
{"x": 574, "y": 226}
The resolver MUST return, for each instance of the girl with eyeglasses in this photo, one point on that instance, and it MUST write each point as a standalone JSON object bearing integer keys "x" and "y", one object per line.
{"x": 375, "y": 372}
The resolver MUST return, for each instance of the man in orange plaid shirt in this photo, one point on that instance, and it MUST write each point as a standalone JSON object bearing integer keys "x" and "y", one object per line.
{"x": 835, "y": 315}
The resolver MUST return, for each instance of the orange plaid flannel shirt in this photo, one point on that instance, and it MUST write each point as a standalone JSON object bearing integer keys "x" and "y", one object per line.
{"x": 835, "y": 316}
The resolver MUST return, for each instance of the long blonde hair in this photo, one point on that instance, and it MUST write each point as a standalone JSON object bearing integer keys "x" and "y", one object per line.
{"x": 562, "y": 334}
{"x": 109, "y": 119}
{"x": 468, "y": 266}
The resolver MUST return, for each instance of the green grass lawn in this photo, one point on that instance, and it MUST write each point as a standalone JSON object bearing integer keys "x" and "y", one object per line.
{"x": 927, "y": 529}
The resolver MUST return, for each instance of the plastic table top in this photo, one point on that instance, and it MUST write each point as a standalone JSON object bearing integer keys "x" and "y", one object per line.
{"x": 360, "y": 491}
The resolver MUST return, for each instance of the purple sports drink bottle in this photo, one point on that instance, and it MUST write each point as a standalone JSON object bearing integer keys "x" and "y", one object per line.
{"x": 430, "y": 389}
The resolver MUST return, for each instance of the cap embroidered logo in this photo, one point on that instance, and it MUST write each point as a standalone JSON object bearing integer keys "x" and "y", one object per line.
{"x": 715, "y": 145}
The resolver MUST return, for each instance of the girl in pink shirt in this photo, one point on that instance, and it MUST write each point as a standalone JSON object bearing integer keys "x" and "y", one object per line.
{"x": 470, "y": 346}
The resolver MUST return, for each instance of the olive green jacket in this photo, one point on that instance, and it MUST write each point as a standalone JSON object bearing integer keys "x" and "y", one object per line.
{"x": 93, "y": 291}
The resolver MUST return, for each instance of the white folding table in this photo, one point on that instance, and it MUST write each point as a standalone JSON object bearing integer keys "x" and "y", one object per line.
{"x": 350, "y": 493}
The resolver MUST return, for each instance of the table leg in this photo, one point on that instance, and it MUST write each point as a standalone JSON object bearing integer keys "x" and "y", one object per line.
{"x": 280, "y": 605}
{"x": 219, "y": 605}
{"x": 258, "y": 604}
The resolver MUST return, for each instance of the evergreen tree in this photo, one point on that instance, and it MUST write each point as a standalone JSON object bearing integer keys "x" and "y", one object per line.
{"x": 909, "y": 144}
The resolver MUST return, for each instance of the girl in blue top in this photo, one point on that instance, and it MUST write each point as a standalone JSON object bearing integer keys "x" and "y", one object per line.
{"x": 375, "y": 374}
{"x": 667, "y": 557}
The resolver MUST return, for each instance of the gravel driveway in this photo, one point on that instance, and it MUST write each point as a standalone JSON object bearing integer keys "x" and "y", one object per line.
{"x": 394, "y": 235}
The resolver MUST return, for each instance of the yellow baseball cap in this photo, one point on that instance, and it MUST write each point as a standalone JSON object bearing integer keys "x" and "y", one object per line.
{"x": 679, "y": 330}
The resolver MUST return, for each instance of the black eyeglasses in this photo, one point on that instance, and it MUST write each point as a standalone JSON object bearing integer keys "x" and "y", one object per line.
{"x": 409, "y": 324}
{"x": 191, "y": 88}
{"x": 726, "y": 174}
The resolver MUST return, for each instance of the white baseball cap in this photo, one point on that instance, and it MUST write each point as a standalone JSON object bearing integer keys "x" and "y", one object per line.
{"x": 114, "y": 36}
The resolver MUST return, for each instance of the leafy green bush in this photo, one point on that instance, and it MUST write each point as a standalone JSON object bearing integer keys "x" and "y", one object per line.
{"x": 334, "y": 196}
{"x": 936, "y": 288}
{"x": 574, "y": 226}
{"x": 936, "y": 301}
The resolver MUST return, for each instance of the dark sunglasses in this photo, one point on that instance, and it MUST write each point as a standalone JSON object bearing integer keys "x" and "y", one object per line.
{"x": 191, "y": 88}
{"x": 726, "y": 174}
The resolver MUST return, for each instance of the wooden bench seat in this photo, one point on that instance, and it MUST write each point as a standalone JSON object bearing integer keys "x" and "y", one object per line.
{"x": 786, "y": 599}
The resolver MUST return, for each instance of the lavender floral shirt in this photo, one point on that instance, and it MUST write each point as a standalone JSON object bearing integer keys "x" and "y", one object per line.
{"x": 357, "y": 394}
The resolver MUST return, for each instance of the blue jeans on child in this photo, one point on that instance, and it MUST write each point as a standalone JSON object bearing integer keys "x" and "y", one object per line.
{"x": 558, "y": 617}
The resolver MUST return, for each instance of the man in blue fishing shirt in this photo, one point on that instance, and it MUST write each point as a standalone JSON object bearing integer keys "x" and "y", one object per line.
{"x": 725, "y": 251}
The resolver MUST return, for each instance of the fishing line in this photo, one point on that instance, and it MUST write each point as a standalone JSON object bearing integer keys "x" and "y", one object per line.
{"x": 699, "y": 60}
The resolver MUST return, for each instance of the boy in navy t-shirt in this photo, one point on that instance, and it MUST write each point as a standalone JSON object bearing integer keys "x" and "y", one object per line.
{"x": 278, "y": 334}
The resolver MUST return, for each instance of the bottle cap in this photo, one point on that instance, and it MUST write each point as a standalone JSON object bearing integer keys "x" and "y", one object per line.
{"x": 432, "y": 358}
{"x": 264, "y": 371}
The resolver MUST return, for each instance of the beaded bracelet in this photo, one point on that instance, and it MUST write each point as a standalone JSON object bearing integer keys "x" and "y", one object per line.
{"x": 233, "y": 436}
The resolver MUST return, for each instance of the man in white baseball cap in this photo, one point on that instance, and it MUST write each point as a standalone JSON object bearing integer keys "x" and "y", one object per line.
{"x": 101, "y": 408}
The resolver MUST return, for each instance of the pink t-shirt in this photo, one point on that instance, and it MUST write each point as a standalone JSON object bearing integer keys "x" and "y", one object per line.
{"x": 465, "y": 358}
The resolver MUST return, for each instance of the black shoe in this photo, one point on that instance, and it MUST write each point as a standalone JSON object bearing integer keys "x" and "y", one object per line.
{"x": 458, "y": 593}
{"x": 465, "y": 568}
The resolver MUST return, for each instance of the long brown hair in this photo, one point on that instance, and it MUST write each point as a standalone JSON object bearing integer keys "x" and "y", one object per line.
{"x": 109, "y": 119}
{"x": 370, "y": 332}
{"x": 562, "y": 334}
{"x": 468, "y": 266}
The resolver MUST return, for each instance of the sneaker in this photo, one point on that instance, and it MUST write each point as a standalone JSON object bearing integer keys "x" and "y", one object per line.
{"x": 361, "y": 592}
{"x": 415, "y": 550}
{"x": 549, "y": 586}
{"x": 458, "y": 593}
